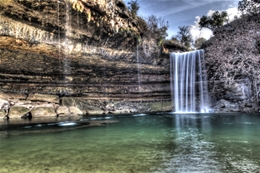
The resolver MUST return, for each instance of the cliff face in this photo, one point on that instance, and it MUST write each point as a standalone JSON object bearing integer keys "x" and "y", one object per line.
{"x": 97, "y": 60}
{"x": 51, "y": 47}
{"x": 233, "y": 62}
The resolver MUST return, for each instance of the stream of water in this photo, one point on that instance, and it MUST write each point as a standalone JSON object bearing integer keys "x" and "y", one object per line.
{"x": 155, "y": 143}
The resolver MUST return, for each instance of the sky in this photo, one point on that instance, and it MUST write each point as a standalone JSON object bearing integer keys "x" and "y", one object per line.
{"x": 185, "y": 13}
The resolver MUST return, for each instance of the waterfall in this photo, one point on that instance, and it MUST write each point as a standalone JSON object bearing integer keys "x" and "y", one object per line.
{"x": 189, "y": 82}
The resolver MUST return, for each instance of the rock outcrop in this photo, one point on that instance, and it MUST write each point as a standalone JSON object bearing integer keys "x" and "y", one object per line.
{"x": 233, "y": 62}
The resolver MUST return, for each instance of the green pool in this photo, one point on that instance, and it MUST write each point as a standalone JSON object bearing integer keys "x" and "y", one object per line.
{"x": 142, "y": 143}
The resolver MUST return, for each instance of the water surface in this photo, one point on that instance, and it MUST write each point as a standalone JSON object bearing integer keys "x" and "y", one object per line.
{"x": 158, "y": 143}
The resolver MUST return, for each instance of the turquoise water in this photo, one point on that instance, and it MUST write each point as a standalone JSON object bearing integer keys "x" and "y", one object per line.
{"x": 159, "y": 143}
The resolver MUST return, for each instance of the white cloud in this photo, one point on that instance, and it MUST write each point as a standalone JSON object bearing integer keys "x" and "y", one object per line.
{"x": 232, "y": 12}
{"x": 210, "y": 12}
{"x": 196, "y": 32}
{"x": 206, "y": 33}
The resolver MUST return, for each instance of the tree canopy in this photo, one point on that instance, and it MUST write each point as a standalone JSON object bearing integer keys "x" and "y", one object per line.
{"x": 184, "y": 35}
{"x": 158, "y": 27}
{"x": 215, "y": 21}
{"x": 133, "y": 7}
{"x": 199, "y": 42}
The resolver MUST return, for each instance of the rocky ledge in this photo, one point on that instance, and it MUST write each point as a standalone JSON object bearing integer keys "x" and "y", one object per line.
{"x": 44, "y": 105}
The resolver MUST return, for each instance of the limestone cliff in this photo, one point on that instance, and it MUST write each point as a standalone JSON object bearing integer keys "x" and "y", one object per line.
{"x": 233, "y": 62}
{"x": 99, "y": 53}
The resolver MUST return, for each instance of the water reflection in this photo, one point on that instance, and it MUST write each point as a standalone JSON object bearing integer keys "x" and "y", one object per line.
{"x": 194, "y": 151}
{"x": 214, "y": 143}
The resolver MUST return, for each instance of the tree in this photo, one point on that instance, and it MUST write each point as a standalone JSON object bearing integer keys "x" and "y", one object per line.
{"x": 134, "y": 7}
{"x": 249, "y": 6}
{"x": 215, "y": 21}
{"x": 174, "y": 38}
{"x": 199, "y": 42}
{"x": 184, "y": 35}
{"x": 158, "y": 27}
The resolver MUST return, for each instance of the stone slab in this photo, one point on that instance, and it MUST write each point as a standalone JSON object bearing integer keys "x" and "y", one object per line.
{"x": 18, "y": 111}
{"x": 43, "y": 112}
{"x": 44, "y": 98}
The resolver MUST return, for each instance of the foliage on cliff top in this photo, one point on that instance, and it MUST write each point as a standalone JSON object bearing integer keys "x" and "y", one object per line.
{"x": 133, "y": 7}
{"x": 215, "y": 21}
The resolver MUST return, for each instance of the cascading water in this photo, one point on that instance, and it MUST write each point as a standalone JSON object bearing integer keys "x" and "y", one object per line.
{"x": 189, "y": 82}
{"x": 138, "y": 68}
{"x": 67, "y": 44}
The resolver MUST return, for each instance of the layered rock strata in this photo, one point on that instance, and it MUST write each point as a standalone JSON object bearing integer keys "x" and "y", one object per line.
{"x": 53, "y": 49}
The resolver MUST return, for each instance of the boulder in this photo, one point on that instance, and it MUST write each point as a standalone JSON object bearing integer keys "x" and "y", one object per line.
{"x": 64, "y": 110}
{"x": 225, "y": 106}
{"x": 43, "y": 112}
{"x": 18, "y": 111}
{"x": 44, "y": 98}
{"x": 90, "y": 106}
{"x": 75, "y": 110}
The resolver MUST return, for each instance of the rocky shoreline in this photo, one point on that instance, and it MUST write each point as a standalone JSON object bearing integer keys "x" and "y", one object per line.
{"x": 44, "y": 105}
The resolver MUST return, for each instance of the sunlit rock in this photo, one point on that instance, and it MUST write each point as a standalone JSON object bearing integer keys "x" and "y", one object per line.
{"x": 3, "y": 102}
{"x": 12, "y": 96}
{"x": 43, "y": 112}
{"x": 75, "y": 110}
{"x": 43, "y": 98}
{"x": 63, "y": 110}
{"x": 18, "y": 111}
